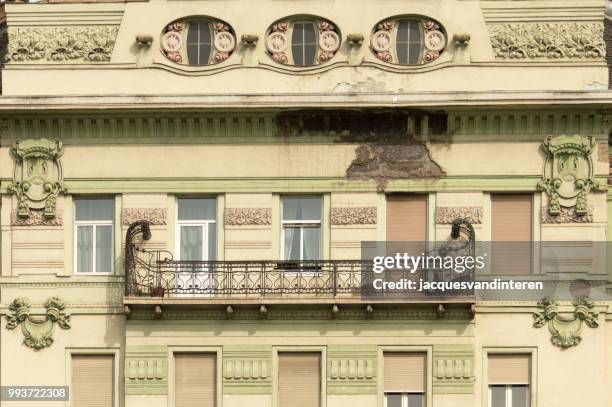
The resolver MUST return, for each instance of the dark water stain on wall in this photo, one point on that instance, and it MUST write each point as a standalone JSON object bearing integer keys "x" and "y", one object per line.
{"x": 389, "y": 141}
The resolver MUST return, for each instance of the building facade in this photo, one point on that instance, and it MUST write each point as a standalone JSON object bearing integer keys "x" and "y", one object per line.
{"x": 186, "y": 187}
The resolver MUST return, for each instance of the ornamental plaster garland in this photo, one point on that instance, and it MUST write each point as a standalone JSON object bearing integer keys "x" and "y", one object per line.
{"x": 548, "y": 40}
{"x": 61, "y": 44}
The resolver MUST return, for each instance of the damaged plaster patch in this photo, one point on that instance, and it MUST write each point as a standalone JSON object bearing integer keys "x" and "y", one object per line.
{"x": 367, "y": 85}
{"x": 382, "y": 162}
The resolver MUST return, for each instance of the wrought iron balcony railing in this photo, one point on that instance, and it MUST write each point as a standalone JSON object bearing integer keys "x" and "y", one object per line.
{"x": 156, "y": 274}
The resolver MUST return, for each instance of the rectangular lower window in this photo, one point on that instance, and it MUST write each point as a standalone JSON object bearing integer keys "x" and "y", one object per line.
{"x": 301, "y": 221}
{"x": 197, "y": 231}
{"x": 94, "y": 230}
{"x": 195, "y": 379}
{"x": 404, "y": 379}
{"x": 509, "y": 380}
{"x": 92, "y": 382}
{"x": 299, "y": 379}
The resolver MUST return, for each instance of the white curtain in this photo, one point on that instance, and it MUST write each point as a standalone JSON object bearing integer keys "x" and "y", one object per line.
{"x": 85, "y": 249}
{"x": 104, "y": 249}
{"x": 312, "y": 243}
{"x": 191, "y": 243}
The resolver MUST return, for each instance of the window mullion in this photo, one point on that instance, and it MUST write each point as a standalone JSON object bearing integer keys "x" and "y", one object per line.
{"x": 93, "y": 248}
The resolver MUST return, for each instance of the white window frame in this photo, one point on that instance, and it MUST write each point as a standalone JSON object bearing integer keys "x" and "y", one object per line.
{"x": 405, "y": 397}
{"x": 508, "y": 393}
{"x": 301, "y": 224}
{"x": 203, "y": 223}
{"x": 532, "y": 387}
{"x": 94, "y": 224}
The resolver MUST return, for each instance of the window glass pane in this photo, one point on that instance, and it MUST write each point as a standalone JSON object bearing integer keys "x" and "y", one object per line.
{"x": 199, "y": 44}
{"x": 302, "y": 208}
{"x": 312, "y": 243}
{"x": 520, "y": 396}
{"x": 498, "y": 396}
{"x": 414, "y": 43}
{"x": 402, "y": 31}
{"x": 192, "y": 33}
{"x": 197, "y": 208}
{"x": 292, "y": 243}
{"x": 303, "y": 44}
{"x": 204, "y": 33}
{"x": 212, "y": 242}
{"x": 104, "y": 248}
{"x": 393, "y": 399}
{"x": 191, "y": 243}
{"x": 297, "y": 41}
{"x": 95, "y": 209}
{"x": 416, "y": 400}
{"x": 310, "y": 51}
{"x": 408, "y": 42}
{"x": 84, "y": 249}
{"x": 309, "y": 33}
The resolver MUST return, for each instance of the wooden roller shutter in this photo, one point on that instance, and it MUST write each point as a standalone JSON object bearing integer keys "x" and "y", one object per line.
{"x": 92, "y": 380}
{"x": 509, "y": 368}
{"x": 299, "y": 379}
{"x": 404, "y": 372}
{"x": 511, "y": 233}
{"x": 195, "y": 376}
{"x": 407, "y": 217}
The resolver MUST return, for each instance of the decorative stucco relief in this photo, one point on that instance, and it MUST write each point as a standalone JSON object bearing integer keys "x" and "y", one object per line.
{"x": 36, "y": 218}
{"x": 61, "y": 44}
{"x": 37, "y": 332}
{"x": 548, "y": 40}
{"x": 248, "y": 216}
{"x": 567, "y": 215}
{"x": 37, "y": 176}
{"x": 446, "y": 215}
{"x": 565, "y": 330}
{"x": 568, "y": 173}
{"x": 155, "y": 216}
{"x": 354, "y": 216}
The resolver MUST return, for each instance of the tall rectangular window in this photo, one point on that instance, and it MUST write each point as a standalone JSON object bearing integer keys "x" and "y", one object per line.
{"x": 195, "y": 376}
{"x": 509, "y": 379}
{"x": 94, "y": 221}
{"x": 92, "y": 383}
{"x": 301, "y": 228}
{"x": 197, "y": 231}
{"x": 407, "y": 217}
{"x": 404, "y": 379}
{"x": 511, "y": 233}
{"x": 299, "y": 379}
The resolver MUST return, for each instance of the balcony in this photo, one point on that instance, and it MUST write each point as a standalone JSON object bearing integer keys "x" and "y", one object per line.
{"x": 154, "y": 277}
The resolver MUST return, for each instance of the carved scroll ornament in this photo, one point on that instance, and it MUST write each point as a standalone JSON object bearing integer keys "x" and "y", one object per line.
{"x": 37, "y": 332}
{"x": 565, "y": 330}
{"x": 568, "y": 173}
{"x": 37, "y": 177}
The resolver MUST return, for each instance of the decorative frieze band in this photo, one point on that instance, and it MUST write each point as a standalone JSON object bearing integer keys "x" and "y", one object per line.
{"x": 354, "y": 216}
{"x": 446, "y": 215}
{"x": 36, "y": 218}
{"x": 351, "y": 369}
{"x": 155, "y": 216}
{"x": 553, "y": 41}
{"x": 248, "y": 216}
{"x": 146, "y": 370}
{"x": 247, "y": 369}
{"x": 567, "y": 215}
{"x": 61, "y": 44}
{"x": 453, "y": 369}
